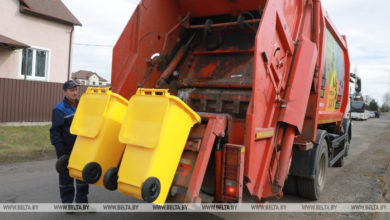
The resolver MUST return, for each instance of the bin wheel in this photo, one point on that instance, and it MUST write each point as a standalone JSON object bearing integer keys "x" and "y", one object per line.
{"x": 92, "y": 172}
{"x": 62, "y": 164}
{"x": 151, "y": 189}
{"x": 110, "y": 179}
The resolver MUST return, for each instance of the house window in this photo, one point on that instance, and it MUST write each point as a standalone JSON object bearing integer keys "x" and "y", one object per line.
{"x": 27, "y": 57}
{"x": 35, "y": 63}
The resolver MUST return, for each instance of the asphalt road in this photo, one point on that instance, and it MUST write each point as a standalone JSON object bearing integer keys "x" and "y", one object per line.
{"x": 364, "y": 178}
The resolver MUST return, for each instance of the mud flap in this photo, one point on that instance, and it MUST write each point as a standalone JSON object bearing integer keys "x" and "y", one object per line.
{"x": 303, "y": 163}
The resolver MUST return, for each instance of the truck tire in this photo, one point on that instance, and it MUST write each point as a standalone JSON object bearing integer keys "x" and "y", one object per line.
{"x": 311, "y": 188}
{"x": 346, "y": 146}
{"x": 110, "y": 179}
{"x": 290, "y": 186}
{"x": 92, "y": 172}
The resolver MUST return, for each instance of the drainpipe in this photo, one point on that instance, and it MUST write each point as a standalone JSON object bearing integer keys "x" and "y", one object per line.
{"x": 70, "y": 52}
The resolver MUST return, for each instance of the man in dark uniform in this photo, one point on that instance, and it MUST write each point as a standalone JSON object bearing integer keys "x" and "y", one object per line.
{"x": 63, "y": 142}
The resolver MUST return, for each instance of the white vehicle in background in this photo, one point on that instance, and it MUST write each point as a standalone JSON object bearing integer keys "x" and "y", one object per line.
{"x": 358, "y": 111}
{"x": 372, "y": 114}
{"x": 366, "y": 114}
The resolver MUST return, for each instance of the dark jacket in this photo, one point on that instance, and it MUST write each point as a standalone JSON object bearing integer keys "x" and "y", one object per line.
{"x": 60, "y": 135}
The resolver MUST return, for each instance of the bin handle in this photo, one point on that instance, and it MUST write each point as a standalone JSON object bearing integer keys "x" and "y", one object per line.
{"x": 94, "y": 90}
{"x": 153, "y": 92}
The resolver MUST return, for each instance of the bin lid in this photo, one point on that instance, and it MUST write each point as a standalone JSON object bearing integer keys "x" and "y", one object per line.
{"x": 146, "y": 115}
{"x": 90, "y": 112}
{"x": 165, "y": 92}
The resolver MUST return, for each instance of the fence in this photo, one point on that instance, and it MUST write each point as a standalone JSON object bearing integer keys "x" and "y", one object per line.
{"x": 29, "y": 101}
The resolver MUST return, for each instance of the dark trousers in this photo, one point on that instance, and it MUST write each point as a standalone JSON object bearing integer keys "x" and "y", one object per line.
{"x": 67, "y": 190}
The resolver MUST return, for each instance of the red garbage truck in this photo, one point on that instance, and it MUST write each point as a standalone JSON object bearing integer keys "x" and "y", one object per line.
{"x": 269, "y": 79}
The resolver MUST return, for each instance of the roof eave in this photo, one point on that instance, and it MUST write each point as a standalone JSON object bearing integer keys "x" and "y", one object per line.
{"x": 11, "y": 44}
{"x": 13, "y": 47}
{"x": 26, "y": 10}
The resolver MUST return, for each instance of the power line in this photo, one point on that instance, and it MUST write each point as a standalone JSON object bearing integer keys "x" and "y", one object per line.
{"x": 93, "y": 45}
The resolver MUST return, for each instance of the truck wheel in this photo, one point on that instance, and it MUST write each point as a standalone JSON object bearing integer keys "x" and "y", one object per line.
{"x": 62, "y": 164}
{"x": 311, "y": 188}
{"x": 151, "y": 189}
{"x": 92, "y": 172}
{"x": 346, "y": 147}
{"x": 290, "y": 186}
{"x": 110, "y": 179}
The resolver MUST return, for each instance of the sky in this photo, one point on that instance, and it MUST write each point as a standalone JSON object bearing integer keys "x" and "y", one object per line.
{"x": 102, "y": 24}
{"x": 366, "y": 25}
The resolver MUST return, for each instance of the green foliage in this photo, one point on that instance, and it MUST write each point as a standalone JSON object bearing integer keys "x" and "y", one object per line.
{"x": 373, "y": 105}
{"x": 24, "y": 143}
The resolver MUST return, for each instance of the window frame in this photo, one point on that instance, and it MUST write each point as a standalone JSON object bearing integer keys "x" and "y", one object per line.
{"x": 34, "y": 55}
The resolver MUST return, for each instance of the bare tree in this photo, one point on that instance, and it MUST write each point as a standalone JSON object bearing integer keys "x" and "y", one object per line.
{"x": 367, "y": 99}
{"x": 386, "y": 98}
{"x": 386, "y": 102}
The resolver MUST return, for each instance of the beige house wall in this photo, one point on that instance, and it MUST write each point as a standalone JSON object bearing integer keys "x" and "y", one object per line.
{"x": 8, "y": 62}
{"x": 38, "y": 33}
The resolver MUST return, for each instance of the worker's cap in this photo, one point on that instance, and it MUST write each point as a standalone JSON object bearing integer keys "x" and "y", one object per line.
{"x": 69, "y": 84}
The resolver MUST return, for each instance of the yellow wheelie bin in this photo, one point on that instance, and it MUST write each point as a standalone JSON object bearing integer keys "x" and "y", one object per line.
{"x": 97, "y": 123}
{"x": 155, "y": 129}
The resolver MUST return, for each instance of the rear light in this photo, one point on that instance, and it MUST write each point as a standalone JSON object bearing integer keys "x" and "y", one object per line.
{"x": 231, "y": 190}
{"x": 231, "y": 187}
{"x": 232, "y": 173}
